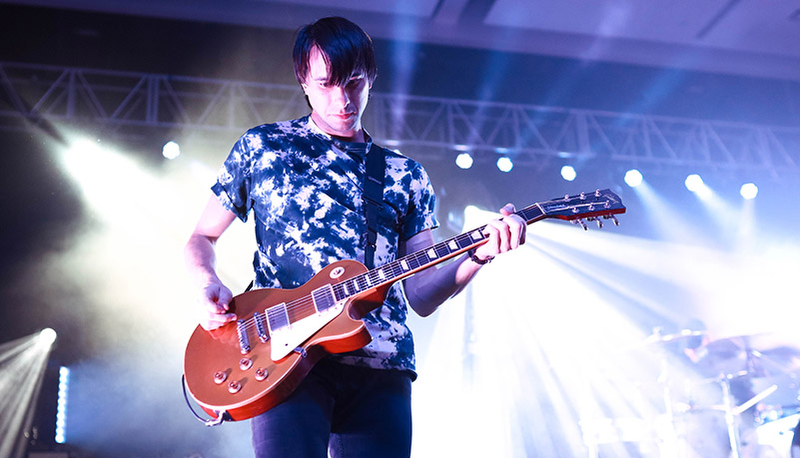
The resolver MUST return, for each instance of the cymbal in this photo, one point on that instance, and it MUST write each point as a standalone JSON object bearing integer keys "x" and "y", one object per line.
{"x": 669, "y": 338}
{"x": 757, "y": 355}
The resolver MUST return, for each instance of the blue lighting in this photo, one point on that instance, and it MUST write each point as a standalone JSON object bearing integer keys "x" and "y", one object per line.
{"x": 749, "y": 191}
{"x": 505, "y": 164}
{"x": 694, "y": 182}
{"x": 633, "y": 178}
{"x": 568, "y": 173}
{"x": 61, "y": 411}
{"x": 464, "y": 160}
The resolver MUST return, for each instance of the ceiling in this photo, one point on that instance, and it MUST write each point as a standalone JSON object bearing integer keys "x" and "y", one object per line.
{"x": 745, "y": 37}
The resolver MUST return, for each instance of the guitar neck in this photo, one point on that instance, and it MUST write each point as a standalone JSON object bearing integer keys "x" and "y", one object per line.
{"x": 592, "y": 205}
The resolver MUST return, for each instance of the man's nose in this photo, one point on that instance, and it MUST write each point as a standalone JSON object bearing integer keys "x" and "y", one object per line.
{"x": 339, "y": 94}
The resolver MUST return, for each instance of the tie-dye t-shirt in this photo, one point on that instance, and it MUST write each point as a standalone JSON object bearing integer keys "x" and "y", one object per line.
{"x": 305, "y": 191}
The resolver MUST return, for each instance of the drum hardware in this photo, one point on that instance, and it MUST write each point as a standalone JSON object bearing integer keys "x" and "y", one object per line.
{"x": 751, "y": 358}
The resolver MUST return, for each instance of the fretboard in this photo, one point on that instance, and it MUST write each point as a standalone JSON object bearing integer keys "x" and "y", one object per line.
{"x": 422, "y": 259}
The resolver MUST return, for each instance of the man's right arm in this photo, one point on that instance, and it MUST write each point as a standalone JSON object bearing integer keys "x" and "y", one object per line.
{"x": 200, "y": 260}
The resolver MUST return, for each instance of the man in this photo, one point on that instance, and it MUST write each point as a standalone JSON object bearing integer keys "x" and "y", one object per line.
{"x": 302, "y": 180}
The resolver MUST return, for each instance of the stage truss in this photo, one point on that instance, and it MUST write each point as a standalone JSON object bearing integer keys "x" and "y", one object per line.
{"x": 35, "y": 94}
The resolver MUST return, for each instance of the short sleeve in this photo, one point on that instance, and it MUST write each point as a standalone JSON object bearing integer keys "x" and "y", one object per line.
{"x": 234, "y": 180}
{"x": 421, "y": 213}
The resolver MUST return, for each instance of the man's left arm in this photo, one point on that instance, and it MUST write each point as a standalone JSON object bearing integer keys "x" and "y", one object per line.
{"x": 428, "y": 289}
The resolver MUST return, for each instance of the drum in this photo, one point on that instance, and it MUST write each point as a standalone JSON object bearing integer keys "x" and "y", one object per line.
{"x": 776, "y": 428}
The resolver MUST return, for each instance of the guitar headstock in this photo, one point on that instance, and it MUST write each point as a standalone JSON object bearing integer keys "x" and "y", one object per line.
{"x": 593, "y": 206}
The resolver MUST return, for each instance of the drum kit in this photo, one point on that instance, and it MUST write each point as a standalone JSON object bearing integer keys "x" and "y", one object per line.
{"x": 743, "y": 402}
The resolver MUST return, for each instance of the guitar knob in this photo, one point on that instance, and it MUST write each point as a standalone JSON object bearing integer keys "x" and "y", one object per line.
{"x": 234, "y": 387}
{"x": 220, "y": 377}
{"x": 245, "y": 363}
{"x": 261, "y": 374}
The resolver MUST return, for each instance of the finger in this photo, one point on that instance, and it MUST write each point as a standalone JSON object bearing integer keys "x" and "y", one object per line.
{"x": 216, "y": 320}
{"x": 518, "y": 231}
{"x": 212, "y": 306}
{"x": 508, "y": 209}
{"x": 217, "y": 298}
{"x": 502, "y": 234}
{"x": 224, "y": 298}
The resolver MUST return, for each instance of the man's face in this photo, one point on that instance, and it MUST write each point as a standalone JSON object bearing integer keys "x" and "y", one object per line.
{"x": 336, "y": 110}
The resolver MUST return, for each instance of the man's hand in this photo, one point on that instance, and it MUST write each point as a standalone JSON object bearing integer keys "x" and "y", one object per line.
{"x": 215, "y": 300}
{"x": 505, "y": 234}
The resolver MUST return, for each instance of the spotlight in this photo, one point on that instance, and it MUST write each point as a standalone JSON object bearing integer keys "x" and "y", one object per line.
{"x": 171, "y": 150}
{"x": 693, "y": 182}
{"x": 633, "y": 178}
{"x": 464, "y": 160}
{"x": 568, "y": 173}
{"x": 48, "y": 336}
{"x": 505, "y": 164}
{"x": 748, "y": 191}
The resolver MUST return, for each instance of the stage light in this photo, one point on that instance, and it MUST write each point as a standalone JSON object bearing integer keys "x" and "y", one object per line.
{"x": 694, "y": 182}
{"x": 568, "y": 173}
{"x": 47, "y": 336}
{"x": 461, "y": 147}
{"x": 464, "y": 160}
{"x": 633, "y": 178}
{"x": 61, "y": 410}
{"x": 505, "y": 164}
{"x": 748, "y": 191}
{"x": 391, "y": 143}
{"x": 171, "y": 150}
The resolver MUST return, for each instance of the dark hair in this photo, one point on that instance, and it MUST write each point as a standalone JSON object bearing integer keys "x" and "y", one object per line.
{"x": 345, "y": 47}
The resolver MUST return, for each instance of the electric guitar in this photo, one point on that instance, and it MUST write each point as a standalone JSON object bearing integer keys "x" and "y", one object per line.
{"x": 245, "y": 368}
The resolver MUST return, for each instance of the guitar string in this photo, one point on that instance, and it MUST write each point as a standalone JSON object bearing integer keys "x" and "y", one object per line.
{"x": 393, "y": 268}
{"x": 391, "y": 271}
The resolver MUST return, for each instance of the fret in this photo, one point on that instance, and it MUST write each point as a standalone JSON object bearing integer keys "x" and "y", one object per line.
{"x": 404, "y": 265}
{"x": 340, "y": 291}
{"x": 372, "y": 278}
{"x": 414, "y": 260}
{"x": 432, "y": 253}
{"x": 442, "y": 250}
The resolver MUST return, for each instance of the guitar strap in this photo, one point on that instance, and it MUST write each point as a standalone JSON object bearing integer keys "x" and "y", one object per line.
{"x": 373, "y": 199}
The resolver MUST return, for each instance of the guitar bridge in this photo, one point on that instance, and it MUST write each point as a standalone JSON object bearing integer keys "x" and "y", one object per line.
{"x": 244, "y": 341}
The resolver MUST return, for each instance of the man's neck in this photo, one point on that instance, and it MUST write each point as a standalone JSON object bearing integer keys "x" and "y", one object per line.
{"x": 359, "y": 136}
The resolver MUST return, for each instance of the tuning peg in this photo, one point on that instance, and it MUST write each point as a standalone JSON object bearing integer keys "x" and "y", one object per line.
{"x": 581, "y": 222}
{"x": 597, "y": 220}
{"x": 612, "y": 218}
